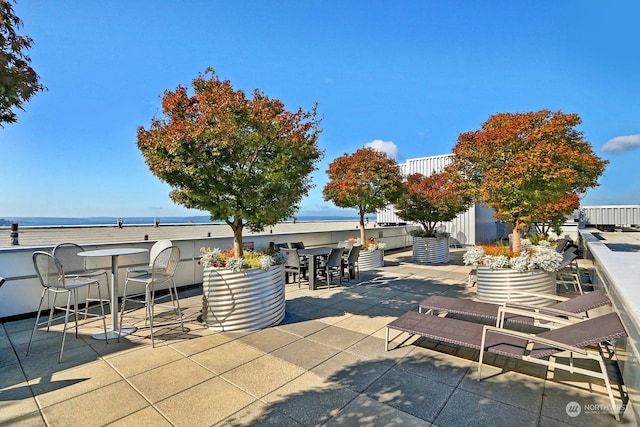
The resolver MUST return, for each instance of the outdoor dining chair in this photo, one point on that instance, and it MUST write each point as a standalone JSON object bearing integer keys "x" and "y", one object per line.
{"x": 351, "y": 263}
{"x": 334, "y": 265}
{"x": 76, "y": 266}
{"x": 345, "y": 244}
{"x": 157, "y": 247}
{"x": 279, "y": 246}
{"x": 294, "y": 265}
{"x": 54, "y": 281}
{"x": 162, "y": 273}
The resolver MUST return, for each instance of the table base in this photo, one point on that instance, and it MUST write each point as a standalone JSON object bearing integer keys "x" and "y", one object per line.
{"x": 126, "y": 330}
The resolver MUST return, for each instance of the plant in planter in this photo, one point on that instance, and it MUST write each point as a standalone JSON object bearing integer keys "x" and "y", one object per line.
{"x": 532, "y": 257}
{"x": 500, "y": 271}
{"x": 528, "y": 167}
{"x": 366, "y": 180}
{"x": 430, "y": 200}
{"x": 226, "y": 259}
{"x": 245, "y": 161}
{"x": 370, "y": 244}
{"x": 371, "y": 254}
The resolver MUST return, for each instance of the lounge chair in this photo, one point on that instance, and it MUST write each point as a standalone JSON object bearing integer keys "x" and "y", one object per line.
{"x": 562, "y": 244}
{"x": 568, "y": 273}
{"x": 539, "y": 349}
{"x": 572, "y": 308}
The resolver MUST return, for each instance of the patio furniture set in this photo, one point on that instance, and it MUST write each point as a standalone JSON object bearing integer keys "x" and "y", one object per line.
{"x": 562, "y": 328}
{"x": 320, "y": 263}
{"x": 64, "y": 271}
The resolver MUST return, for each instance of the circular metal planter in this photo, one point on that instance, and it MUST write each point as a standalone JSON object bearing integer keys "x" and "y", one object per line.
{"x": 495, "y": 285}
{"x": 369, "y": 260}
{"x": 242, "y": 300}
{"x": 430, "y": 250}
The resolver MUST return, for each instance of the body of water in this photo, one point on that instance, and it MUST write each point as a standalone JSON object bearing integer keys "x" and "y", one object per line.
{"x": 142, "y": 220}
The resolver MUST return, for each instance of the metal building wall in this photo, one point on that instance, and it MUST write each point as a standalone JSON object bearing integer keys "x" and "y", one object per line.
{"x": 476, "y": 225}
{"x": 615, "y": 215}
{"x": 428, "y": 165}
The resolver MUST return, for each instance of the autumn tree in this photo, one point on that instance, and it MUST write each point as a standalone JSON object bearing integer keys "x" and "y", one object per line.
{"x": 366, "y": 180}
{"x": 429, "y": 200}
{"x": 553, "y": 215}
{"x": 526, "y": 165}
{"x": 18, "y": 81}
{"x": 246, "y": 161}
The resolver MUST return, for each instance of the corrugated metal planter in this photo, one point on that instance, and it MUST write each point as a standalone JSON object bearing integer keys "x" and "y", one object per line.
{"x": 369, "y": 260}
{"x": 430, "y": 250}
{"x": 243, "y": 300}
{"x": 495, "y": 285}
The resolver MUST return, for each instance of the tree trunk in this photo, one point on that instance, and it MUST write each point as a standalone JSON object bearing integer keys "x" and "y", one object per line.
{"x": 517, "y": 241}
{"x": 237, "y": 226}
{"x": 363, "y": 234}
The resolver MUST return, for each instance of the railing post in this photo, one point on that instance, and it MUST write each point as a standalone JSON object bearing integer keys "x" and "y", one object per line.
{"x": 14, "y": 234}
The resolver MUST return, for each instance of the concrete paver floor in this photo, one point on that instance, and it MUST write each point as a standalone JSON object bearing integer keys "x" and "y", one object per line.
{"x": 324, "y": 365}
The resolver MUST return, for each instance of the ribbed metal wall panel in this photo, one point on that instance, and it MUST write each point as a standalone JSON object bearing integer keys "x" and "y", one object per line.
{"x": 466, "y": 228}
{"x": 428, "y": 165}
{"x": 616, "y": 215}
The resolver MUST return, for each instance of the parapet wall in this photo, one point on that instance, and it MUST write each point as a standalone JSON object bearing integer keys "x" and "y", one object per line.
{"x": 20, "y": 294}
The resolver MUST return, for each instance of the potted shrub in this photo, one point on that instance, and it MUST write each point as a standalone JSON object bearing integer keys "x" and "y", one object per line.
{"x": 366, "y": 180}
{"x": 501, "y": 271}
{"x": 371, "y": 255}
{"x": 245, "y": 161}
{"x": 528, "y": 167}
{"x": 430, "y": 200}
{"x": 242, "y": 294}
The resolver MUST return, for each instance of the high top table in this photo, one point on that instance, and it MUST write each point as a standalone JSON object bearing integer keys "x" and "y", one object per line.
{"x": 114, "y": 253}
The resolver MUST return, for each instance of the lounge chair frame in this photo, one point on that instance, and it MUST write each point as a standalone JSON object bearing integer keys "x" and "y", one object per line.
{"x": 525, "y": 316}
{"x": 503, "y": 342}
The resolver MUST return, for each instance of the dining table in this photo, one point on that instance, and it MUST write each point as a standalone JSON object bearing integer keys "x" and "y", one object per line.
{"x": 314, "y": 255}
{"x": 115, "y": 331}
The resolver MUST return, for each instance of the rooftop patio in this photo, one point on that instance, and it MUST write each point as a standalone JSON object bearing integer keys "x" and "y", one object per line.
{"x": 324, "y": 365}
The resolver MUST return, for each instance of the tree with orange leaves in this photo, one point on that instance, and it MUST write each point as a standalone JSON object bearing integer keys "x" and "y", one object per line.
{"x": 553, "y": 215}
{"x": 18, "y": 81}
{"x": 527, "y": 165}
{"x": 245, "y": 161}
{"x": 428, "y": 200}
{"x": 366, "y": 180}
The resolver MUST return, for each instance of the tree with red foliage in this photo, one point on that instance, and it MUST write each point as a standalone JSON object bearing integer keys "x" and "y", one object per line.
{"x": 553, "y": 215}
{"x": 245, "y": 161}
{"x": 526, "y": 165}
{"x": 428, "y": 200}
{"x": 366, "y": 180}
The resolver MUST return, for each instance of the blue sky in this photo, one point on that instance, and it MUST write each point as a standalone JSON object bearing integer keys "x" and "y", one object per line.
{"x": 414, "y": 74}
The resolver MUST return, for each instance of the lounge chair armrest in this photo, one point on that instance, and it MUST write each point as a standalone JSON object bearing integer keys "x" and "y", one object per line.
{"x": 531, "y": 338}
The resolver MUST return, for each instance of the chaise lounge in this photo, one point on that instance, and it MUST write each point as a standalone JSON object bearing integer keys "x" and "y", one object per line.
{"x": 571, "y": 308}
{"x": 540, "y": 348}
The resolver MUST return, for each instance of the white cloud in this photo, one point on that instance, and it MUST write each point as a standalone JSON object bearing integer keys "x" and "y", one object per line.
{"x": 387, "y": 147}
{"x": 623, "y": 143}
